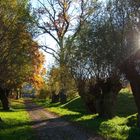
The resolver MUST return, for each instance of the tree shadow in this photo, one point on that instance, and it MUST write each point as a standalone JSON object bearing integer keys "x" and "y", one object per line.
{"x": 51, "y": 129}
{"x": 90, "y": 124}
{"x": 134, "y": 131}
{"x": 62, "y": 129}
{"x": 13, "y": 129}
{"x": 76, "y": 105}
{"x": 134, "y": 134}
{"x": 10, "y": 110}
{"x": 125, "y": 105}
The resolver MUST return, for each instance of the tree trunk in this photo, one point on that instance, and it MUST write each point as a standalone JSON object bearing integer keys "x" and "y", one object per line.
{"x": 129, "y": 69}
{"x": 100, "y": 97}
{"x": 55, "y": 98}
{"x": 108, "y": 105}
{"x": 136, "y": 92}
{"x": 20, "y": 94}
{"x": 4, "y": 99}
{"x": 87, "y": 98}
{"x": 62, "y": 96}
{"x": 17, "y": 95}
{"x": 110, "y": 90}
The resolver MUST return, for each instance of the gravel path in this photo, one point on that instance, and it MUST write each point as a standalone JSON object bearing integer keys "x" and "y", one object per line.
{"x": 48, "y": 126}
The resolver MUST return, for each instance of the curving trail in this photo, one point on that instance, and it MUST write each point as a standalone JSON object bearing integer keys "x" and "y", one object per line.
{"x": 48, "y": 126}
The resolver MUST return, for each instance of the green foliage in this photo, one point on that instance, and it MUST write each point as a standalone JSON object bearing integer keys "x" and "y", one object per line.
{"x": 15, "y": 123}
{"x": 17, "y": 48}
{"x": 54, "y": 84}
{"x": 43, "y": 94}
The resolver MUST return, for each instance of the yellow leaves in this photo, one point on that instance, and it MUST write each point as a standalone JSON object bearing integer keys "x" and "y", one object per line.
{"x": 39, "y": 71}
{"x": 37, "y": 81}
{"x": 44, "y": 71}
{"x": 65, "y": 5}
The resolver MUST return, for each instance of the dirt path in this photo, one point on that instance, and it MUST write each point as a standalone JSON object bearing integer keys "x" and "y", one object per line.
{"x": 48, "y": 126}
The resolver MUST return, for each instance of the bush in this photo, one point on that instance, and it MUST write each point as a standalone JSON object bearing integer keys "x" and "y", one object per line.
{"x": 43, "y": 94}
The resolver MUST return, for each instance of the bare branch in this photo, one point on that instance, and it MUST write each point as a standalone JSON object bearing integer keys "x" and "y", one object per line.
{"x": 45, "y": 50}
{"x": 47, "y": 31}
{"x": 46, "y": 47}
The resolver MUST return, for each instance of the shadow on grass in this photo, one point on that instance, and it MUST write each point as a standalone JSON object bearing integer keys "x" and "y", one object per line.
{"x": 16, "y": 123}
{"x": 90, "y": 124}
{"x": 134, "y": 134}
{"x": 13, "y": 129}
{"x": 76, "y": 105}
{"x": 102, "y": 126}
{"x": 51, "y": 128}
{"x": 125, "y": 105}
{"x": 10, "y": 110}
{"x": 134, "y": 131}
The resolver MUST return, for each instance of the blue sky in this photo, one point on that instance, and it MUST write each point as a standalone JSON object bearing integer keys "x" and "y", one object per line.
{"x": 45, "y": 40}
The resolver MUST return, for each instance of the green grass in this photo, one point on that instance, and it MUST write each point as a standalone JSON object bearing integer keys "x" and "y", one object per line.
{"x": 15, "y": 124}
{"x": 121, "y": 127}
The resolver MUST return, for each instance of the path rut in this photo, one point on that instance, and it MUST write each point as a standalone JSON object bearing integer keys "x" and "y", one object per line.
{"x": 48, "y": 126}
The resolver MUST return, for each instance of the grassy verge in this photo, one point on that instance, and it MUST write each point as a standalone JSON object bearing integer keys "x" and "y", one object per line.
{"x": 121, "y": 127}
{"x": 15, "y": 124}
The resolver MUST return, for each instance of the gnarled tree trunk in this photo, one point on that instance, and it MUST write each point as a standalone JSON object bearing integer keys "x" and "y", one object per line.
{"x": 129, "y": 69}
{"x": 86, "y": 97}
{"x": 136, "y": 92}
{"x": 110, "y": 89}
{"x": 100, "y": 97}
{"x": 62, "y": 96}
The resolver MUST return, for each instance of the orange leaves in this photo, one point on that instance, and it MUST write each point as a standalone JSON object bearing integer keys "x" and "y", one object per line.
{"x": 39, "y": 71}
{"x": 37, "y": 81}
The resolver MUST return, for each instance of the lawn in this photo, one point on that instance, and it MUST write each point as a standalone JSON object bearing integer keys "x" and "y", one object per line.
{"x": 16, "y": 123}
{"x": 121, "y": 127}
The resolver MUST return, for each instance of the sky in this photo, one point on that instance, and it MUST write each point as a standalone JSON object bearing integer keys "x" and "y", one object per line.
{"x": 45, "y": 40}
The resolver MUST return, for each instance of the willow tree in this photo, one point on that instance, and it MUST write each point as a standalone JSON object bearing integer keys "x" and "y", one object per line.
{"x": 92, "y": 62}
{"x": 118, "y": 37}
{"x": 128, "y": 13}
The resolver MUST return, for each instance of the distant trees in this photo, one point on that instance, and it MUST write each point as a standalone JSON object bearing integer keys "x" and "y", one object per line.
{"x": 54, "y": 85}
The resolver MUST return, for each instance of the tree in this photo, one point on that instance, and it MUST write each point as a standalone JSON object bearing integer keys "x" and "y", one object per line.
{"x": 18, "y": 51}
{"x": 54, "y": 85}
{"x": 130, "y": 64}
{"x": 93, "y": 66}
{"x": 125, "y": 19}
{"x": 119, "y": 41}
{"x": 60, "y": 18}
